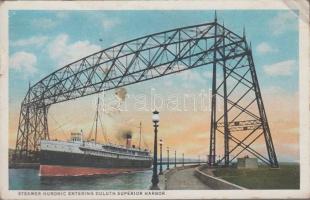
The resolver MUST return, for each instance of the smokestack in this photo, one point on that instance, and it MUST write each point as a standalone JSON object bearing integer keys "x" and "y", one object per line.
{"x": 128, "y": 140}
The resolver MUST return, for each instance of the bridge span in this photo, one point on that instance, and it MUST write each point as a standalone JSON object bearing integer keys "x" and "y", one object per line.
{"x": 241, "y": 121}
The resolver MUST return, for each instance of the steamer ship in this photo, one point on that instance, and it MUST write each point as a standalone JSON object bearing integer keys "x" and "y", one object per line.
{"x": 77, "y": 157}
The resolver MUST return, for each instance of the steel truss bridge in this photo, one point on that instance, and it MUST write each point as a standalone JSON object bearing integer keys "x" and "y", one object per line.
{"x": 238, "y": 116}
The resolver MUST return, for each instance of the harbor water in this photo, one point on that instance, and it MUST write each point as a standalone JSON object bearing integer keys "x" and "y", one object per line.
{"x": 28, "y": 179}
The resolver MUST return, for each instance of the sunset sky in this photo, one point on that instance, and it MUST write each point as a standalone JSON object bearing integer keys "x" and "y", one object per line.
{"x": 42, "y": 41}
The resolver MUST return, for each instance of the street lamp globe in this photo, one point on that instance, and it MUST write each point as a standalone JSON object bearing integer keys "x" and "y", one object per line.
{"x": 155, "y": 116}
{"x": 155, "y": 180}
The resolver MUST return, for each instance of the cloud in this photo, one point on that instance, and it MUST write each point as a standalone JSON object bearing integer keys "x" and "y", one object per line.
{"x": 265, "y": 48}
{"x": 274, "y": 90}
{"x": 62, "y": 14}
{"x": 283, "y": 68}
{"x": 168, "y": 83}
{"x": 44, "y": 23}
{"x": 102, "y": 20}
{"x": 190, "y": 75}
{"x": 24, "y": 62}
{"x": 282, "y": 22}
{"x": 207, "y": 74}
{"x": 37, "y": 41}
{"x": 63, "y": 52}
{"x": 109, "y": 23}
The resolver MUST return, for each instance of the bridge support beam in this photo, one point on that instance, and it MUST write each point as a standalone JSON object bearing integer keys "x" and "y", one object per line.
{"x": 33, "y": 126}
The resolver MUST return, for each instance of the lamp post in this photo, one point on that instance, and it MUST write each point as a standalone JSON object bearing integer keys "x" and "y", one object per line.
{"x": 168, "y": 158}
{"x": 161, "y": 157}
{"x": 175, "y": 158}
{"x": 183, "y": 159}
{"x": 155, "y": 180}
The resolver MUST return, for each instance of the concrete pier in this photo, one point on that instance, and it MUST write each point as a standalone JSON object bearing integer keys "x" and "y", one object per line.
{"x": 181, "y": 178}
{"x": 194, "y": 177}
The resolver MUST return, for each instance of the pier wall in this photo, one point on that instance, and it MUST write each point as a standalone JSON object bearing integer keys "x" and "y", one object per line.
{"x": 24, "y": 165}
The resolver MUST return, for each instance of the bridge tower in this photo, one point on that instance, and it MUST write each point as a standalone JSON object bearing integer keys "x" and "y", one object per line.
{"x": 243, "y": 119}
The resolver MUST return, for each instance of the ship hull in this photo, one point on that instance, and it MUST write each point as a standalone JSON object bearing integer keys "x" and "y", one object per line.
{"x": 53, "y": 163}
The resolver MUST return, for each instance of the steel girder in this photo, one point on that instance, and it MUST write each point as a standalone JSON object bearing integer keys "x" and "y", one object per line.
{"x": 243, "y": 109}
{"x": 138, "y": 60}
{"x": 32, "y": 127}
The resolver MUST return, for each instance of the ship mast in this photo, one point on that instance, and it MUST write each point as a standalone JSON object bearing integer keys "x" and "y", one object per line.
{"x": 97, "y": 116}
{"x": 140, "y": 127}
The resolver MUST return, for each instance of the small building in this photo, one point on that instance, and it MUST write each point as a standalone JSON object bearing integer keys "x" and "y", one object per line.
{"x": 247, "y": 163}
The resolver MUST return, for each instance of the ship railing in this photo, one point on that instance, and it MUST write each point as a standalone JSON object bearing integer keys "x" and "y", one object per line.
{"x": 120, "y": 150}
{"x": 113, "y": 154}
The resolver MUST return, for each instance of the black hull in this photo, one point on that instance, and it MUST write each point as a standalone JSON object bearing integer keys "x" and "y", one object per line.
{"x": 86, "y": 160}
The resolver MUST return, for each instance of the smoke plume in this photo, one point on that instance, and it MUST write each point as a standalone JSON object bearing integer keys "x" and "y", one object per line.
{"x": 121, "y": 93}
{"x": 124, "y": 134}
